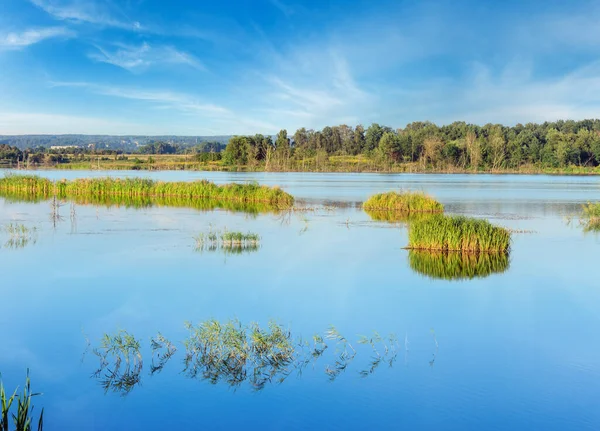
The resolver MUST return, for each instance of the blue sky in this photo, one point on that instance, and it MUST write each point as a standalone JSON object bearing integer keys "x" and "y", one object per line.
{"x": 234, "y": 67}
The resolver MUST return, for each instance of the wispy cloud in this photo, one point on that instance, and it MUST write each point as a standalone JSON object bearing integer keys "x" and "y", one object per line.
{"x": 139, "y": 58}
{"x": 172, "y": 100}
{"x": 32, "y": 36}
{"x": 85, "y": 11}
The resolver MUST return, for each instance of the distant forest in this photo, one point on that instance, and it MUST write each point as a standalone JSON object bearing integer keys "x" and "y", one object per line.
{"x": 495, "y": 147}
{"x": 459, "y": 145}
{"x": 126, "y": 144}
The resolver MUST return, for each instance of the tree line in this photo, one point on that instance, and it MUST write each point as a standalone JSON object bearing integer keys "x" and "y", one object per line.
{"x": 460, "y": 145}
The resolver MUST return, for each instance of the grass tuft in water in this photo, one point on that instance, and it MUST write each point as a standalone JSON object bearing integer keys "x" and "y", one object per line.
{"x": 403, "y": 202}
{"x": 457, "y": 233}
{"x": 457, "y": 265}
{"x": 591, "y": 216}
{"x": 19, "y": 235}
{"x": 23, "y": 418}
{"x": 227, "y": 241}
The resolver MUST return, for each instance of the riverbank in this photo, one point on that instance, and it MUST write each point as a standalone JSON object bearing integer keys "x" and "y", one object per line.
{"x": 346, "y": 164}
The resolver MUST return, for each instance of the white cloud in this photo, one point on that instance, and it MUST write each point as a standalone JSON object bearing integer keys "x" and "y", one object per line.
{"x": 85, "y": 11}
{"x": 139, "y": 58}
{"x": 32, "y": 36}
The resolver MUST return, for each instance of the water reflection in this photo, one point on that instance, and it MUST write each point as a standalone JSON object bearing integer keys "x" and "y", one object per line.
{"x": 231, "y": 353}
{"x": 19, "y": 235}
{"x": 457, "y": 265}
{"x": 141, "y": 202}
{"x": 397, "y": 216}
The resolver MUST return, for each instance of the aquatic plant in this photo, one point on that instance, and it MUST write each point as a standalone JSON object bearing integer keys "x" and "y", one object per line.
{"x": 140, "y": 187}
{"x": 121, "y": 362}
{"x": 234, "y": 353}
{"x": 457, "y": 265}
{"x": 591, "y": 216}
{"x": 162, "y": 351}
{"x": 457, "y": 233}
{"x": 228, "y": 241}
{"x": 23, "y": 418}
{"x": 403, "y": 202}
{"x": 19, "y": 235}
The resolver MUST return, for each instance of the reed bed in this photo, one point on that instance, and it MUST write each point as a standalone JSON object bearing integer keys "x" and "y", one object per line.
{"x": 458, "y": 233}
{"x": 591, "y": 216}
{"x": 457, "y": 265}
{"x": 403, "y": 202}
{"x": 140, "y": 187}
{"x": 22, "y": 420}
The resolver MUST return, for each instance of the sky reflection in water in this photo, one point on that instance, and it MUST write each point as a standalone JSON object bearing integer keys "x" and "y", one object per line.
{"x": 517, "y": 349}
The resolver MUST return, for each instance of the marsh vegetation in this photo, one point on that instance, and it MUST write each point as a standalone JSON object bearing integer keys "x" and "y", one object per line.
{"x": 404, "y": 202}
{"x": 234, "y": 353}
{"x": 36, "y": 187}
{"x": 22, "y": 415}
{"x": 457, "y": 233}
{"x": 230, "y": 241}
{"x": 19, "y": 235}
{"x": 590, "y": 217}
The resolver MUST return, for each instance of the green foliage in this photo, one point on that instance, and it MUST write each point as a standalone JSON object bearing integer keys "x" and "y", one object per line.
{"x": 403, "y": 202}
{"x": 457, "y": 265}
{"x": 457, "y": 233}
{"x": 591, "y": 216}
{"x": 23, "y": 418}
{"x": 228, "y": 241}
{"x": 138, "y": 187}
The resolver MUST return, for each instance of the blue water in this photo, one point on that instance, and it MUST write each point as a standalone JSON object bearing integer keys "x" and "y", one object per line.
{"x": 515, "y": 350}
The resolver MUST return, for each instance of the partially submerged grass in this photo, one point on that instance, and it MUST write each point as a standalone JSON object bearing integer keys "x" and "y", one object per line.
{"x": 226, "y": 240}
{"x": 457, "y": 233}
{"x": 406, "y": 202}
{"x": 120, "y": 362}
{"x": 22, "y": 420}
{"x": 591, "y": 216}
{"x": 34, "y": 186}
{"x": 19, "y": 235}
{"x": 457, "y": 265}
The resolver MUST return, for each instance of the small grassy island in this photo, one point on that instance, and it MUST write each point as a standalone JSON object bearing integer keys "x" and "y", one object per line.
{"x": 457, "y": 233}
{"x": 29, "y": 186}
{"x": 406, "y": 202}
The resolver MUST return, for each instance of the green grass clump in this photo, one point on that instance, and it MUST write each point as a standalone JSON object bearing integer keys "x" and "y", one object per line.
{"x": 227, "y": 241}
{"x": 457, "y": 233}
{"x": 403, "y": 202}
{"x": 457, "y": 265}
{"x": 140, "y": 187}
{"x": 591, "y": 216}
{"x": 23, "y": 418}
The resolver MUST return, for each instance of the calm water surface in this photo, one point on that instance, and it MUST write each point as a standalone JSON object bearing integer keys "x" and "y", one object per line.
{"x": 518, "y": 349}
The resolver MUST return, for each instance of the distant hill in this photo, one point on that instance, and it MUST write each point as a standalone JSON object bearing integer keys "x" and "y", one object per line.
{"x": 126, "y": 143}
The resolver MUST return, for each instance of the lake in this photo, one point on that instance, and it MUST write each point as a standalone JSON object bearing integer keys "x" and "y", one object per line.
{"x": 516, "y": 347}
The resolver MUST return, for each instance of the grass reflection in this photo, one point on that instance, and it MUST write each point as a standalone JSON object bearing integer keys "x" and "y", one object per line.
{"x": 397, "y": 216}
{"x": 232, "y": 353}
{"x": 457, "y": 265}
{"x": 142, "y": 202}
